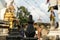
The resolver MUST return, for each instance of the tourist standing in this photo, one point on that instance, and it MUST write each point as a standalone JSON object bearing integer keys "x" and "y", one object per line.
{"x": 38, "y": 32}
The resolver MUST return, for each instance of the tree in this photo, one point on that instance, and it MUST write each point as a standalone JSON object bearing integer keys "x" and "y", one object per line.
{"x": 23, "y": 15}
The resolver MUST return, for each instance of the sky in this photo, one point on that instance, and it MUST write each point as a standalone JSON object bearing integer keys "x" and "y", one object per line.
{"x": 38, "y": 8}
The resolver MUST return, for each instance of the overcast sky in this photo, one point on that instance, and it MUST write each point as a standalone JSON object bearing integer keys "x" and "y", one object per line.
{"x": 38, "y": 8}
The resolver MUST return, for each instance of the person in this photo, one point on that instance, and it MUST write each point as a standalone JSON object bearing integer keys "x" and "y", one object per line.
{"x": 38, "y": 32}
{"x": 52, "y": 16}
{"x": 44, "y": 31}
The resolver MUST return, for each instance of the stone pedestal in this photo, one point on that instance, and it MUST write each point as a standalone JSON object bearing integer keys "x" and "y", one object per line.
{"x": 13, "y": 32}
{"x": 53, "y": 33}
{"x": 14, "y": 35}
{"x": 30, "y": 38}
{"x": 3, "y": 32}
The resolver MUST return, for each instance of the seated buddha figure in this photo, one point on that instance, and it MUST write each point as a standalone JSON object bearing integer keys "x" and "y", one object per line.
{"x": 9, "y": 16}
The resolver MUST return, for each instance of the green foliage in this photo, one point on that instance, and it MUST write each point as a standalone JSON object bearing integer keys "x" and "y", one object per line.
{"x": 23, "y": 19}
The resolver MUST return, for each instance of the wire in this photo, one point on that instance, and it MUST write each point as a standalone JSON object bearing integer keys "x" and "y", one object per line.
{"x": 31, "y": 6}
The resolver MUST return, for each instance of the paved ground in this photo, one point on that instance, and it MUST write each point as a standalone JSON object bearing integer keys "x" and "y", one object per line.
{"x": 2, "y": 38}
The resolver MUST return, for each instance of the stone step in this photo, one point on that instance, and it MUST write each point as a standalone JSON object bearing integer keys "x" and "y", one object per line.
{"x": 54, "y": 33}
{"x": 14, "y": 33}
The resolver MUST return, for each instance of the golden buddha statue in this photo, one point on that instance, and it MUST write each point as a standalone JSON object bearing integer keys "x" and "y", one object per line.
{"x": 9, "y": 15}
